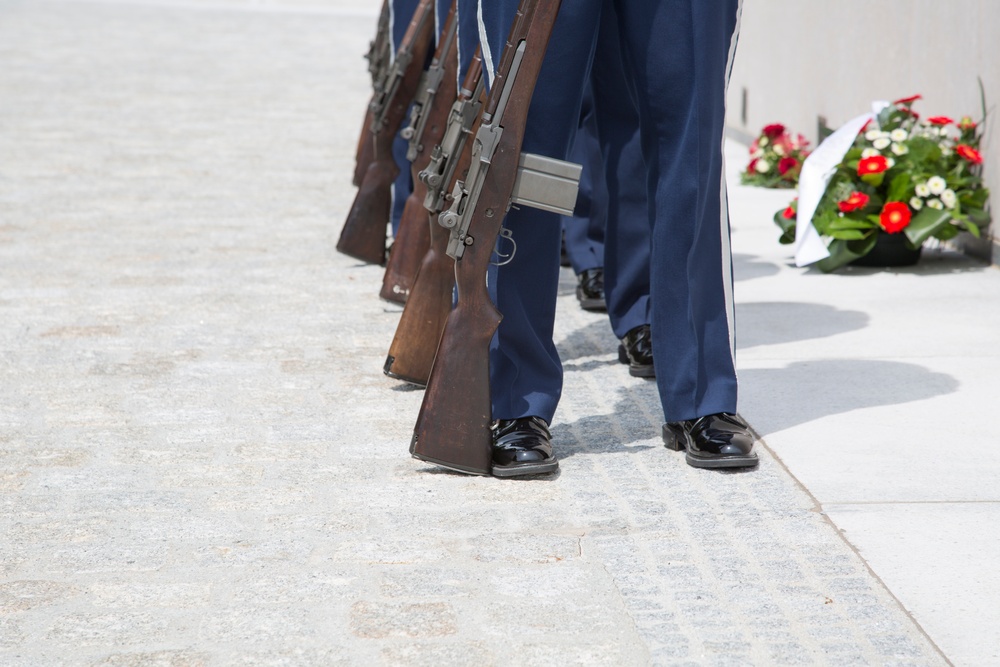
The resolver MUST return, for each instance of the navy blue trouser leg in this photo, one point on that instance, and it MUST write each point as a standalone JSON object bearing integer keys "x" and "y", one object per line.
{"x": 525, "y": 371}
{"x": 679, "y": 52}
{"x": 401, "y": 14}
{"x": 583, "y": 232}
{"x": 627, "y": 238}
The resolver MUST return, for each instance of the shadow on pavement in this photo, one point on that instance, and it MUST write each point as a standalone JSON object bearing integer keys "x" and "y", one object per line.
{"x": 774, "y": 399}
{"x": 748, "y": 267}
{"x": 776, "y": 322}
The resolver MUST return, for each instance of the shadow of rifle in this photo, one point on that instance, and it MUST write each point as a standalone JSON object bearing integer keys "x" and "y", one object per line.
{"x": 429, "y": 114}
{"x": 364, "y": 233}
{"x": 453, "y": 427}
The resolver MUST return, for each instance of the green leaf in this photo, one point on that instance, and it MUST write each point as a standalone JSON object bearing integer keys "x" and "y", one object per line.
{"x": 979, "y": 216}
{"x": 973, "y": 229}
{"x": 924, "y": 150}
{"x": 925, "y": 224}
{"x": 845, "y": 252}
{"x": 874, "y": 179}
{"x": 947, "y": 232}
{"x": 787, "y": 227}
{"x": 851, "y": 223}
{"x": 846, "y": 234}
{"x": 899, "y": 187}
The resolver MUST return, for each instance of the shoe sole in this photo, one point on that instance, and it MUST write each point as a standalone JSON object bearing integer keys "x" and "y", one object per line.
{"x": 640, "y": 371}
{"x": 671, "y": 441}
{"x": 589, "y": 303}
{"x": 540, "y": 468}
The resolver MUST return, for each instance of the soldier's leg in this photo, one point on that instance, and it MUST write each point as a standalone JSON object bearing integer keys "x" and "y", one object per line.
{"x": 583, "y": 232}
{"x": 627, "y": 244}
{"x": 526, "y": 374}
{"x": 400, "y": 13}
{"x": 680, "y": 52}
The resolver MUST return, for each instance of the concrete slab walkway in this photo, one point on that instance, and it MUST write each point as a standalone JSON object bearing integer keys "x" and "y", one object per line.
{"x": 201, "y": 462}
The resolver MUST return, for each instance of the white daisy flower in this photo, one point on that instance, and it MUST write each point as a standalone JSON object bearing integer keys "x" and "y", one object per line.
{"x": 899, "y": 134}
{"x": 872, "y": 135}
{"x": 923, "y": 190}
{"x": 869, "y": 152}
{"x": 881, "y": 143}
{"x": 762, "y": 166}
{"x": 935, "y": 203}
{"x": 890, "y": 163}
{"x": 949, "y": 198}
{"x": 936, "y": 184}
{"x": 779, "y": 149}
{"x": 762, "y": 141}
{"x": 899, "y": 149}
{"x": 916, "y": 203}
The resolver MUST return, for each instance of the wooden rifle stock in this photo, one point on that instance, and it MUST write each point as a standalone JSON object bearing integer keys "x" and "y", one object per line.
{"x": 453, "y": 427}
{"x": 365, "y": 152}
{"x": 378, "y": 58}
{"x": 429, "y": 119}
{"x": 411, "y": 354}
{"x": 364, "y": 232}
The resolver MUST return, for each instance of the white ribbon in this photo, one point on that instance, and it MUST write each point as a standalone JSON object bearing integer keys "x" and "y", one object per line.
{"x": 817, "y": 170}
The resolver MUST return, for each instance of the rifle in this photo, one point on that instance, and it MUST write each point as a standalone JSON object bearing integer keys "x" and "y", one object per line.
{"x": 411, "y": 354}
{"x": 453, "y": 427}
{"x": 428, "y": 119}
{"x": 364, "y": 233}
{"x": 379, "y": 58}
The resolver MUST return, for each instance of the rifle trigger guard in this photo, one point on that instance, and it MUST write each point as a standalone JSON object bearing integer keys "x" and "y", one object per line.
{"x": 507, "y": 259}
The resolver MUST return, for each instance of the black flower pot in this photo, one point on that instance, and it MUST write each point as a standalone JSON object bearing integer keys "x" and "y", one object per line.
{"x": 890, "y": 250}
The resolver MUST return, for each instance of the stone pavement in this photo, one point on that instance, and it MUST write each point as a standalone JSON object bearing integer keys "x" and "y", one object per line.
{"x": 201, "y": 462}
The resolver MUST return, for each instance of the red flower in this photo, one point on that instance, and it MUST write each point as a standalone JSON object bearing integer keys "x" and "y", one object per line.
{"x": 787, "y": 164}
{"x": 969, "y": 153}
{"x": 875, "y": 164}
{"x": 909, "y": 100}
{"x": 854, "y": 202}
{"x": 940, "y": 120}
{"x": 788, "y": 213}
{"x": 895, "y": 217}
{"x": 774, "y": 130}
{"x": 752, "y": 166}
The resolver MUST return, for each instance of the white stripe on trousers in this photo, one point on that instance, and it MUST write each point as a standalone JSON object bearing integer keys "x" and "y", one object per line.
{"x": 727, "y": 251}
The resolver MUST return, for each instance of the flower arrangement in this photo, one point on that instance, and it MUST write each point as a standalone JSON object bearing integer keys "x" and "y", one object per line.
{"x": 903, "y": 174}
{"x": 776, "y": 158}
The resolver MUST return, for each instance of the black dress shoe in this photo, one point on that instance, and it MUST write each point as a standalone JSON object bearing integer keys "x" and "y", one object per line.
{"x": 721, "y": 440}
{"x": 590, "y": 291}
{"x": 522, "y": 447}
{"x": 636, "y": 350}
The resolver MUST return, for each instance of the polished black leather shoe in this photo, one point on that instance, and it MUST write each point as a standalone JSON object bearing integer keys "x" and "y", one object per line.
{"x": 590, "y": 291}
{"x": 636, "y": 350}
{"x": 522, "y": 447}
{"x": 721, "y": 440}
